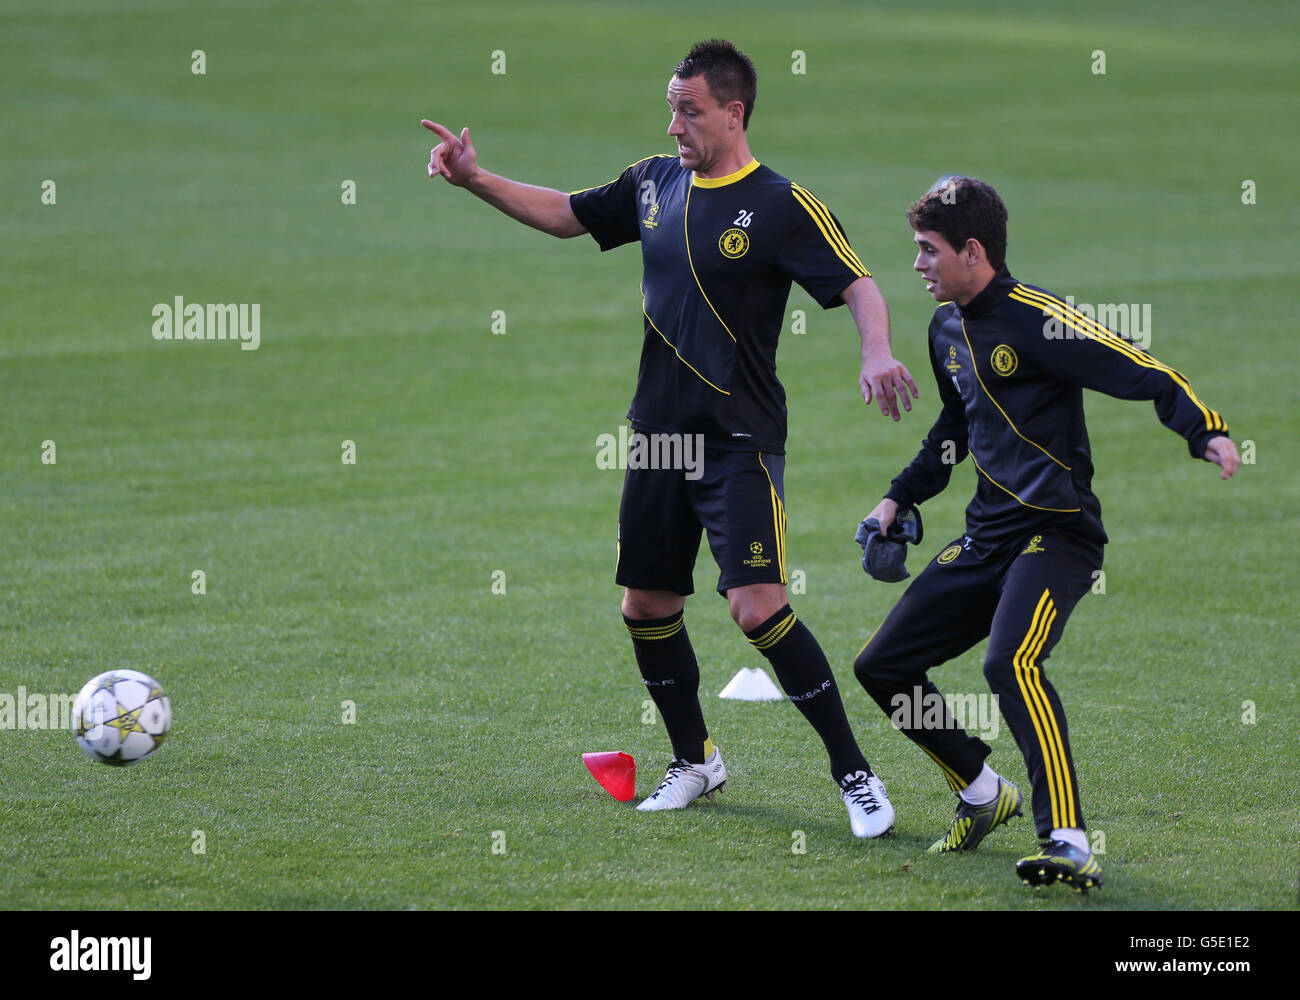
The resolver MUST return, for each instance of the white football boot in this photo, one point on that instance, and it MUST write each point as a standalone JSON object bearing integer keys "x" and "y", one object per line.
{"x": 685, "y": 782}
{"x": 870, "y": 812}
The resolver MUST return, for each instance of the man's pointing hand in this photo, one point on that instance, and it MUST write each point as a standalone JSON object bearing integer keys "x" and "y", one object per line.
{"x": 455, "y": 159}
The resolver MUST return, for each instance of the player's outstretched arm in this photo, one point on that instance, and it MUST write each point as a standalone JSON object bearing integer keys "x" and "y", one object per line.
{"x": 456, "y": 160}
{"x": 1086, "y": 353}
{"x": 882, "y": 374}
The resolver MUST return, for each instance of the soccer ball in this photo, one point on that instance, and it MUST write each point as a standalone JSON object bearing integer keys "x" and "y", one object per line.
{"x": 121, "y": 717}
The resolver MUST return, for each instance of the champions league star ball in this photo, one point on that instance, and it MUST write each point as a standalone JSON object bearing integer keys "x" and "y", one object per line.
{"x": 121, "y": 717}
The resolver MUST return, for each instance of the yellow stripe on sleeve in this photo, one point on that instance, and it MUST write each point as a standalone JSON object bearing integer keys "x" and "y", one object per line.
{"x": 834, "y": 237}
{"x": 1092, "y": 330}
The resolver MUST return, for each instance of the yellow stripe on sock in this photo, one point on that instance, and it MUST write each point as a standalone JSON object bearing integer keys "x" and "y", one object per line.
{"x": 656, "y": 631}
{"x": 776, "y": 633}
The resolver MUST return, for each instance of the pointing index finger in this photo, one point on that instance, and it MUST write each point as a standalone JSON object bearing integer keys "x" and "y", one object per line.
{"x": 441, "y": 132}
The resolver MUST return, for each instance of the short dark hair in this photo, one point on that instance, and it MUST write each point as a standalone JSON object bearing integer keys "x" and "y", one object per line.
{"x": 963, "y": 208}
{"x": 729, "y": 72}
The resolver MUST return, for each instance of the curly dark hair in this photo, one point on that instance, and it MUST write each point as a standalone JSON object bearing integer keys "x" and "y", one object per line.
{"x": 960, "y": 209}
{"x": 729, "y": 72}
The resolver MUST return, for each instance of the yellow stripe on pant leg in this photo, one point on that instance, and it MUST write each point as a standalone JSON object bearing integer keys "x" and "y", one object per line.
{"x": 1041, "y": 709}
{"x": 868, "y": 642}
{"x": 1030, "y": 700}
{"x": 953, "y": 778}
{"x": 1033, "y": 677}
{"x": 1055, "y": 761}
{"x": 1069, "y": 811}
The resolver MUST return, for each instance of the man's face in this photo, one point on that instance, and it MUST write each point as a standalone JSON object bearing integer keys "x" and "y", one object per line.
{"x": 945, "y": 270}
{"x": 704, "y": 131}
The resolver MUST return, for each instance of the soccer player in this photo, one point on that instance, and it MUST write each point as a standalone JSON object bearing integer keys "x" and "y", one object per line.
{"x": 722, "y": 238}
{"x": 1011, "y": 361}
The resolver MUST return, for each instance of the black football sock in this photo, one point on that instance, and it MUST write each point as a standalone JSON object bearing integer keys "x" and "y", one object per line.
{"x": 672, "y": 676}
{"x": 805, "y": 675}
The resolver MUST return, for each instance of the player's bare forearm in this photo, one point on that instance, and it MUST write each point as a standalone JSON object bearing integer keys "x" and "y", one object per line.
{"x": 456, "y": 161}
{"x": 871, "y": 314}
{"x": 882, "y": 374}
{"x": 542, "y": 208}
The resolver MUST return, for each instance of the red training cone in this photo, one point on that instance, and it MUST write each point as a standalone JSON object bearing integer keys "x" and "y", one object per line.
{"x": 615, "y": 770}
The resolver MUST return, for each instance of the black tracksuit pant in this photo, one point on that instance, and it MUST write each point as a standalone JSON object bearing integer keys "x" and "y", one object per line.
{"x": 1019, "y": 595}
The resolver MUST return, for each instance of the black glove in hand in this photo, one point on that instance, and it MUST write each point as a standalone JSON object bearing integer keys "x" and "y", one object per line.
{"x": 884, "y": 556}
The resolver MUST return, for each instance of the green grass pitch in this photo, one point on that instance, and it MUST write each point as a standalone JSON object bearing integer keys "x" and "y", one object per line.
{"x": 459, "y": 784}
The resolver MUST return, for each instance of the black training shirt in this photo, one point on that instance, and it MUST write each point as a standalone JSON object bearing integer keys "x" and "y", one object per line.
{"x": 719, "y": 256}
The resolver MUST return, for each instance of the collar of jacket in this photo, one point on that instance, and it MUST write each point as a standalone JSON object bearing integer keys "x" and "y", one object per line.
{"x": 991, "y": 295}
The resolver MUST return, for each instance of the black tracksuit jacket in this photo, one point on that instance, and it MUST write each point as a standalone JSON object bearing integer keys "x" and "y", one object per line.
{"x": 1011, "y": 367}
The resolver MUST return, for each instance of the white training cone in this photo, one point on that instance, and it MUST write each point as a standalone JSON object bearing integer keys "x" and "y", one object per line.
{"x": 751, "y": 684}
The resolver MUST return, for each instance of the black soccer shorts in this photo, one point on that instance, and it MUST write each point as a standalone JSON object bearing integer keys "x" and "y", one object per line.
{"x": 739, "y": 499}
